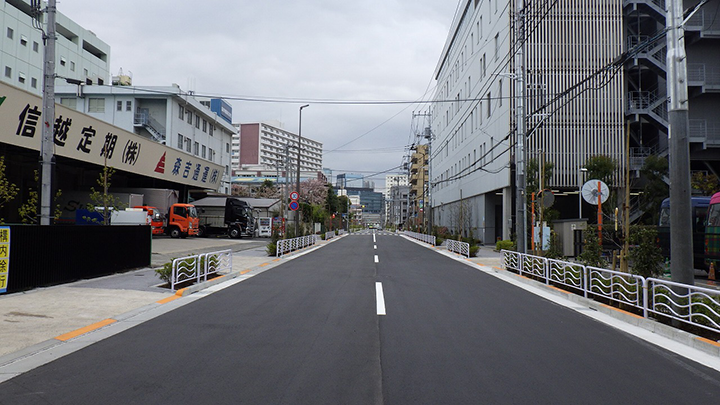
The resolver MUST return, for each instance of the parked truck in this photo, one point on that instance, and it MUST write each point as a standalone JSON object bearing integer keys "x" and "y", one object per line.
{"x": 168, "y": 216}
{"x": 225, "y": 215}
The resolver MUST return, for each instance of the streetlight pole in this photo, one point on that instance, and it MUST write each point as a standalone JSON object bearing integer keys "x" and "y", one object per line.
{"x": 297, "y": 185}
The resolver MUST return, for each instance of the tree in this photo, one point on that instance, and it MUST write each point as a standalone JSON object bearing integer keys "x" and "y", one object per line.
{"x": 102, "y": 199}
{"x": 8, "y": 190}
{"x": 313, "y": 191}
{"x": 601, "y": 168}
{"x": 28, "y": 210}
{"x": 654, "y": 170}
{"x": 646, "y": 256}
{"x": 592, "y": 251}
{"x": 708, "y": 184}
{"x": 533, "y": 170}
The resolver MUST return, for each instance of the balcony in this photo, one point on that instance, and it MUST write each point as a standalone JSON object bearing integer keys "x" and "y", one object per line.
{"x": 703, "y": 76}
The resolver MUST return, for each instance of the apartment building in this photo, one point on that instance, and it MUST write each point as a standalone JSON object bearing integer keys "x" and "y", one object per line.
{"x": 418, "y": 185}
{"x": 268, "y": 146}
{"x": 79, "y": 54}
{"x": 166, "y": 115}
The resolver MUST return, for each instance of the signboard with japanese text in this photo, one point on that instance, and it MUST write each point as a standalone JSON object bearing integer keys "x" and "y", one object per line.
{"x": 81, "y": 137}
{"x": 4, "y": 257}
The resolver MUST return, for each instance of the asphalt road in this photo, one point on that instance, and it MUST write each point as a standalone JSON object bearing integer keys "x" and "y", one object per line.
{"x": 308, "y": 332}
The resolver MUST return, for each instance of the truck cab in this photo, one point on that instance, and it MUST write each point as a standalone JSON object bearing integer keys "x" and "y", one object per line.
{"x": 182, "y": 221}
{"x": 156, "y": 219}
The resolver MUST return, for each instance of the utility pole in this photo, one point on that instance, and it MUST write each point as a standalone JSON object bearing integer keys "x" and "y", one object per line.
{"x": 520, "y": 197}
{"x": 681, "y": 243}
{"x": 48, "y": 111}
{"x": 297, "y": 212}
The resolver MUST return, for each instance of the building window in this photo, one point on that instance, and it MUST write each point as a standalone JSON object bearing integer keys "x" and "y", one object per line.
{"x": 204, "y": 128}
{"x": 187, "y": 144}
{"x": 212, "y": 127}
{"x": 197, "y": 121}
{"x": 36, "y": 46}
{"x": 227, "y": 147}
{"x": 21, "y": 77}
{"x": 69, "y": 103}
{"x": 10, "y": 33}
{"x": 128, "y": 106}
{"x": 72, "y": 66}
{"x": 196, "y": 149}
{"x": 62, "y": 62}
{"x": 8, "y": 71}
{"x": 189, "y": 117}
{"x": 497, "y": 46}
{"x": 33, "y": 83}
{"x": 489, "y": 110}
{"x": 23, "y": 40}
{"x": 180, "y": 142}
{"x": 204, "y": 152}
{"x": 85, "y": 72}
{"x": 96, "y": 105}
{"x": 119, "y": 105}
{"x": 181, "y": 114}
{"x": 211, "y": 154}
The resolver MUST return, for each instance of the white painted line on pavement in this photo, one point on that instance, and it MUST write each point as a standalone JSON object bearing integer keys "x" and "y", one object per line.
{"x": 375, "y": 247}
{"x": 374, "y": 241}
{"x": 376, "y": 259}
{"x": 380, "y": 298}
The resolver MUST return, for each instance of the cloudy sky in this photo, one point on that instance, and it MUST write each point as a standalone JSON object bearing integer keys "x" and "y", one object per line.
{"x": 309, "y": 50}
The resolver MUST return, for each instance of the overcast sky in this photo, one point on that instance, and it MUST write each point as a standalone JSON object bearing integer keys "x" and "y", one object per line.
{"x": 376, "y": 50}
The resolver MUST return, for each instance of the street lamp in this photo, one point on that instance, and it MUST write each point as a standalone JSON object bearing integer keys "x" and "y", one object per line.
{"x": 297, "y": 212}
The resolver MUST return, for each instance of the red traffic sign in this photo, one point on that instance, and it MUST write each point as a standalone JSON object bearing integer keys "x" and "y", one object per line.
{"x": 294, "y": 196}
{"x": 294, "y": 205}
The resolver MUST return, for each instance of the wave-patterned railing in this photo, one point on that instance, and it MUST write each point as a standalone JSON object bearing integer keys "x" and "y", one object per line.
{"x": 199, "y": 267}
{"x": 697, "y": 306}
{"x": 421, "y": 237}
{"x": 284, "y": 246}
{"x": 461, "y": 248}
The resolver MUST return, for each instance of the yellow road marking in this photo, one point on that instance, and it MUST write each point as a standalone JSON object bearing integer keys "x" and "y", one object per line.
{"x": 621, "y": 311}
{"x": 245, "y": 271}
{"x": 168, "y": 299}
{"x": 264, "y": 264}
{"x": 712, "y": 342}
{"x": 84, "y": 330}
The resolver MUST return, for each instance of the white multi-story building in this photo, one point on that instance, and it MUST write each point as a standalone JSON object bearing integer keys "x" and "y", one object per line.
{"x": 79, "y": 54}
{"x": 471, "y": 123}
{"x": 165, "y": 114}
{"x": 476, "y": 106}
{"x": 270, "y": 147}
{"x": 392, "y": 180}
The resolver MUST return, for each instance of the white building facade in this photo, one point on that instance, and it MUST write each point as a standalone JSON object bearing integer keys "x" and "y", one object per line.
{"x": 269, "y": 147}
{"x": 79, "y": 54}
{"x": 166, "y": 115}
{"x": 471, "y": 124}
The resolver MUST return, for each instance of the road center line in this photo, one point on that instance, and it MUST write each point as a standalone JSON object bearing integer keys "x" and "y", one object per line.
{"x": 374, "y": 241}
{"x": 375, "y": 247}
{"x": 380, "y": 298}
{"x": 376, "y": 259}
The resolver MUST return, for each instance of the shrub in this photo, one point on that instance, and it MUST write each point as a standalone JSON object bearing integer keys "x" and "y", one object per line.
{"x": 474, "y": 250}
{"x": 646, "y": 256}
{"x": 592, "y": 251}
{"x": 504, "y": 245}
{"x": 165, "y": 272}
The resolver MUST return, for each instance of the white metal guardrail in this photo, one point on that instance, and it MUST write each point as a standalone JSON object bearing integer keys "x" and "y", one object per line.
{"x": 329, "y": 235}
{"x": 289, "y": 245}
{"x": 462, "y": 248}
{"x": 199, "y": 267}
{"x": 342, "y": 232}
{"x": 421, "y": 237}
{"x": 693, "y": 305}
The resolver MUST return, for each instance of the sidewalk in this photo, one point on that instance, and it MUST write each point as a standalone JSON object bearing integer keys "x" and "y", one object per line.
{"x": 32, "y": 317}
